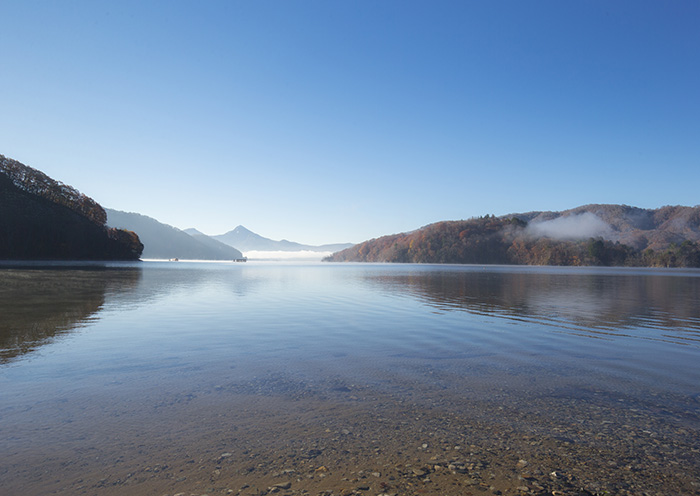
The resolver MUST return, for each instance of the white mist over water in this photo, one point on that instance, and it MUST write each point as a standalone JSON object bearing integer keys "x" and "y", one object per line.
{"x": 303, "y": 255}
{"x": 585, "y": 225}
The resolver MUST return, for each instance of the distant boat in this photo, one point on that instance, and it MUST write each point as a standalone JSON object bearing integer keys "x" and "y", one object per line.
{"x": 244, "y": 259}
{"x": 174, "y": 259}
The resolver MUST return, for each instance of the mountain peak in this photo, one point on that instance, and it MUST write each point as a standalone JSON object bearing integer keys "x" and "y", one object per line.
{"x": 246, "y": 240}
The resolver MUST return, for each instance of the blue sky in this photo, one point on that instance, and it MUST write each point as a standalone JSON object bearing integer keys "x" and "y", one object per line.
{"x": 334, "y": 121}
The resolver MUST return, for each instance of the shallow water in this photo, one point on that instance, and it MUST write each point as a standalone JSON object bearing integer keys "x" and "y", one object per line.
{"x": 138, "y": 378}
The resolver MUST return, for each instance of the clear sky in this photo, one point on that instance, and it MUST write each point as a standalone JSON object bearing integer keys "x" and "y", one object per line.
{"x": 336, "y": 121}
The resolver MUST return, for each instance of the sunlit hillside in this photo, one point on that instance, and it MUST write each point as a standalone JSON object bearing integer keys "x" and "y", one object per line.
{"x": 607, "y": 235}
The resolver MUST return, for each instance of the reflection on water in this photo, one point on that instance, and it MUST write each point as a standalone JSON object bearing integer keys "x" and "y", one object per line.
{"x": 40, "y": 303}
{"x": 590, "y": 302}
{"x": 161, "y": 369}
{"x": 288, "y": 314}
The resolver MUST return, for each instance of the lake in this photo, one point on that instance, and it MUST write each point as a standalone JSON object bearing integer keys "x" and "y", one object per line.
{"x": 338, "y": 379}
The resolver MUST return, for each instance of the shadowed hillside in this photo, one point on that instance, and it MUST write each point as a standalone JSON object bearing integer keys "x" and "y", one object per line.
{"x": 607, "y": 235}
{"x": 43, "y": 219}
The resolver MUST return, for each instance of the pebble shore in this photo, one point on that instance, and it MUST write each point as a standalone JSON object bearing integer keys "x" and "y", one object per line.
{"x": 277, "y": 435}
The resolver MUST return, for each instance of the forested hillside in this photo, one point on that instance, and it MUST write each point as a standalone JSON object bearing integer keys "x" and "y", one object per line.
{"x": 43, "y": 219}
{"x": 607, "y": 235}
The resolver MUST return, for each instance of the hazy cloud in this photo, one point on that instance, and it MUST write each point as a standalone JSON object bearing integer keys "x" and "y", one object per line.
{"x": 580, "y": 226}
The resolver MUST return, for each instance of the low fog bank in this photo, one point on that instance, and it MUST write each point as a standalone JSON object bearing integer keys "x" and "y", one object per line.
{"x": 304, "y": 255}
{"x": 573, "y": 227}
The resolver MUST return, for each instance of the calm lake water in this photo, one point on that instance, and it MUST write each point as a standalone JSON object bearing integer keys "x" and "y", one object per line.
{"x": 212, "y": 378}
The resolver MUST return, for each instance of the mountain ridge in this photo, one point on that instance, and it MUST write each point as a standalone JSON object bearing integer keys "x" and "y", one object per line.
{"x": 162, "y": 241}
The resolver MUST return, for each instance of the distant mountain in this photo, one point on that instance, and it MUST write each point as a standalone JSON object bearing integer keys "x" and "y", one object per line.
{"x": 166, "y": 242}
{"x": 44, "y": 219}
{"x": 246, "y": 240}
{"x": 589, "y": 235}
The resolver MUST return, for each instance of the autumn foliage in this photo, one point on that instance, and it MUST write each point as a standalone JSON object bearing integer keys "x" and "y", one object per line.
{"x": 37, "y": 183}
{"x": 506, "y": 240}
{"x": 41, "y": 219}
